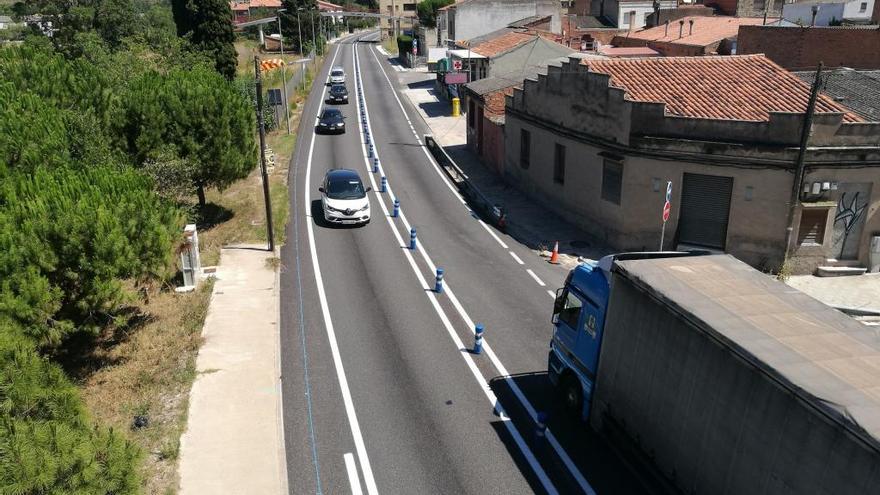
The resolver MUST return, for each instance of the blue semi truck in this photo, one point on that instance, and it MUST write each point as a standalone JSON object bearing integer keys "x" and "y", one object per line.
{"x": 719, "y": 377}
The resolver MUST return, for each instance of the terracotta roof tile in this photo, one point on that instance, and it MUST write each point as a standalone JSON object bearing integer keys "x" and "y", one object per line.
{"x": 502, "y": 43}
{"x": 738, "y": 87}
{"x": 493, "y": 103}
{"x": 707, "y": 30}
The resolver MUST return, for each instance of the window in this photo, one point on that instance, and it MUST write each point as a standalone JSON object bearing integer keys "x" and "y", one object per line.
{"x": 811, "y": 230}
{"x": 863, "y": 7}
{"x": 525, "y": 148}
{"x": 612, "y": 180}
{"x": 471, "y": 112}
{"x": 559, "y": 164}
{"x": 409, "y": 6}
{"x": 568, "y": 309}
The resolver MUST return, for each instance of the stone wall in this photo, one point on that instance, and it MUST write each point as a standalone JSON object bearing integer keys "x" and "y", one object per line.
{"x": 802, "y": 48}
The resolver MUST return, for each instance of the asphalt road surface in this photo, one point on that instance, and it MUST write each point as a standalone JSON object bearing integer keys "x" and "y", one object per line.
{"x": 380, "y": 390}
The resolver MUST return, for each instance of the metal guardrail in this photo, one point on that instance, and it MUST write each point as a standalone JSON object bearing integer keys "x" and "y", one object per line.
{"x": 494, "y": 212}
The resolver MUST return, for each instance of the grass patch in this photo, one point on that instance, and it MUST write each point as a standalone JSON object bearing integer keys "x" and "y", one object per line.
{"x": 152, "y": 370}
{"x": 390, "y": 45}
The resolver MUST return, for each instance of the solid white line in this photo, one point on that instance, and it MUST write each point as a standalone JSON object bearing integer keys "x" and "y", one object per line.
{"x": 552, "y": 294}
{"x": 515, "y": 257}
{"x": 502, "y": 370}
{"x": 484, "y": 385}
{"x": 328, "y": 324}
{"x": 540, "y": 282}
{"x": 352, "y": 469}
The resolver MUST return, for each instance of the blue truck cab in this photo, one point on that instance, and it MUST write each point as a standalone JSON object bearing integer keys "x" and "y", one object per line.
{"x": 579, "y": 323}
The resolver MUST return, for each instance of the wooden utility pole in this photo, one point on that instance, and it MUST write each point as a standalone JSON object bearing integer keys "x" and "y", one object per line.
{"x": 806, "y": 130}
{"x": 266, "y": 198}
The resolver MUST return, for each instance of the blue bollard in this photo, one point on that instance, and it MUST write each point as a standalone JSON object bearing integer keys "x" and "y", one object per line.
{"x": 412, "y": 238}
{"x": 396, "y": 212}
{"x": 383, "y": 185}
{"x": 541, "y": 426}
{"x": 376, "y": 165}
{"x": 478, "y": 339}
{"x": 438, "y": 282}
{"x": 370, "y": 151}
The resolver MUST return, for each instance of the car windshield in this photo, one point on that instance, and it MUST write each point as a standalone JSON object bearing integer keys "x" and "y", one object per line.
{"x": 345, "y": 189}
{"x": 337, "y": 89}
{"x": 331, "y": 114}
{"x": 337, "y": 73}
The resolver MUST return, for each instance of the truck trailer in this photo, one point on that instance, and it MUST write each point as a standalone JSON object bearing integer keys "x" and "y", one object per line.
{"x": 722, "y": 379}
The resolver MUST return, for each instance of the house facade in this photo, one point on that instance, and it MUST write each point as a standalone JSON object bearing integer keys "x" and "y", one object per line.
{"x": 598, "y": 142}
{"x": 828, "y": 13}
{"x": 469, "y": 19}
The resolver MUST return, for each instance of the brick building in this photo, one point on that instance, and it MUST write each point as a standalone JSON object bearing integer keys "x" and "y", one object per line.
{"x": 598, "y": 140}
{"x": 802, "y": 48}
{"x": 747, "y": 8}
{"x": 690, "y": 36}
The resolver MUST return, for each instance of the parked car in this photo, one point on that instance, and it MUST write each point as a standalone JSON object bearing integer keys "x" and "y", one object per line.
{"x": 338, "y": 93}
{"x": 331, "y": 121}
{"x": 344, "y": 197}
{"x": 337, "y": 75}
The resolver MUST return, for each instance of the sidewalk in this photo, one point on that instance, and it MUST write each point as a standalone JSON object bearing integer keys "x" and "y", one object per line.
{"x": 234, "y": 439}
{"x": 860, "y": 292}
{"x": 529, "y": 222}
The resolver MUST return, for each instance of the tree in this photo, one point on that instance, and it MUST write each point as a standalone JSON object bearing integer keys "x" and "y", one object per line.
{"x": 207, "y": 24}
{"x": 202, "y": 118}
{"x": 296, "y": 30}
{"x": 427, "y": 11}
{"x": 47, "y": 442}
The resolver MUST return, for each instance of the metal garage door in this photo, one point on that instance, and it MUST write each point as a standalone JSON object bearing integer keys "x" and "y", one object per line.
{"x": 705, "y": 209}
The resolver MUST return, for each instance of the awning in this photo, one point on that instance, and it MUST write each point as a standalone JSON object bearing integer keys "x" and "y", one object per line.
{"x": 464, "y": 54}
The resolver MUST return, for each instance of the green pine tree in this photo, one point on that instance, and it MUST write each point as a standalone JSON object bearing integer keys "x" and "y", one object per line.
{"x": 207, "y": 24}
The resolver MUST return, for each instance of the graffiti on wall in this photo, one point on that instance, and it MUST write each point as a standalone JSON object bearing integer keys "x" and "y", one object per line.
{"x": 850, "y": 220}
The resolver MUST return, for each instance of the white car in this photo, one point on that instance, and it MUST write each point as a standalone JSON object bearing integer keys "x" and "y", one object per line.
{"x": 344, "y": 198}
{"x": 337, "y": 75}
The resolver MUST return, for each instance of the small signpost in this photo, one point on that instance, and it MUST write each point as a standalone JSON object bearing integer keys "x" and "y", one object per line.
{"x": 456, "y": 64}
{"x": 667, "y": 208}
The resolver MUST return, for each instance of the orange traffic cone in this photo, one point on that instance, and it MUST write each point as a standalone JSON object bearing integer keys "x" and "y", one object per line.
{"x": 554, "y": 256}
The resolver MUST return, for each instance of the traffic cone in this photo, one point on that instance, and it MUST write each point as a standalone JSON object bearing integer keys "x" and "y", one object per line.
{"x": 554, "y": 256}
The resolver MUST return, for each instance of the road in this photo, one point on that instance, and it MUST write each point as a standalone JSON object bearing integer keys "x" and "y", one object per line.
{"x": 380, "y": 391}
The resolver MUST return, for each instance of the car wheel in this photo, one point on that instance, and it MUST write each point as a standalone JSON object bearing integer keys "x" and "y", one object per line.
{"x": 572, "y": 395}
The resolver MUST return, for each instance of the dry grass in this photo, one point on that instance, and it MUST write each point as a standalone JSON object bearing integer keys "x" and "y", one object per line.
{"x": 148, "y": 369}
{"x": 390, "y": 45}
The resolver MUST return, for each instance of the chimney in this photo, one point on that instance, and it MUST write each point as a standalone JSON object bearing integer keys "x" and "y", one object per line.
{"x": 815, "y": 10}
{"x": 680, "y": 29}
{"x": 656, "y": 12}
{"x": 666, "y": 33}
{"x": 765, "y": 18}
{"x": 691, "y": 27}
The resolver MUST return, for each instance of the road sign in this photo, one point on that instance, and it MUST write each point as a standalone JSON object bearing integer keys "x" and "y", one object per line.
{"x": 275, "y": 97}
{"x": 456, "y": 64}
{"x": 668, "y": 192}
{"x": 666, "y": 209}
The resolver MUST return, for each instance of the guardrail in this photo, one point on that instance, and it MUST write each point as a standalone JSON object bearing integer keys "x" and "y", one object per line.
{"x": 494, "y": 212}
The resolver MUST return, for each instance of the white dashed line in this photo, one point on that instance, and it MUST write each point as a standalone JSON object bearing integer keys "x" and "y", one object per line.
{"x": 540, "y": 282}
{"x": 352, "y": 474}
{"x": 516, "y": 258}
{"x": 552, "y": 294}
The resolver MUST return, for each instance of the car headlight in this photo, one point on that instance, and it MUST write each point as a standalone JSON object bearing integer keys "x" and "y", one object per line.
{"x": 366, "y": 207}
{"x": 323, "y": 124}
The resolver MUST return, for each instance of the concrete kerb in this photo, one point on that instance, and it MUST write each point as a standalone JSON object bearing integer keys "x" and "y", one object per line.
{"x": 276, "y": 294}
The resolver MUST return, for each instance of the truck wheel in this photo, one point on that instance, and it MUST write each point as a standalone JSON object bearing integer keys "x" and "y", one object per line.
{"x": 572, "y": 395}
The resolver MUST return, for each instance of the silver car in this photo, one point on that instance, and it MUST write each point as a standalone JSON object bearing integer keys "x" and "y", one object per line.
{"x": 337, "y": 75}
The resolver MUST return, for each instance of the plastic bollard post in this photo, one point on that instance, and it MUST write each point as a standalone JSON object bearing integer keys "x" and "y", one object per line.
{"x": 541, "y": 426}
{"x": 478, "y": 339}
{"x": 376, "y": 165}
{"x": 396, "y": 212}
{"x": 438, "y": 281}
{"x": 383, "y": 185}
{"x": 412, "y": 239}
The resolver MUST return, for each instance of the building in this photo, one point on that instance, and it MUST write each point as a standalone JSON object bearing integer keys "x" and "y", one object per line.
{"x": 802, "y": 48}
{"x": 598, "y": 140}
{"x": 690, "y": 36}
{"x": 243, "y": 9}
{"x": 747, "y": 8}
{"x": 6, "y": 22}
{"x": 505, "y": 51}
{"x": 828, "y": 13}
{"x": 404, "y": 12}
{"x": 469, "y": 19}
{"x": 630, "y": 14}
{"x": 858, "y": 90}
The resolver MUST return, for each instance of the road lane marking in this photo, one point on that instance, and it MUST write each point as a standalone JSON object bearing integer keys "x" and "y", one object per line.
{"x": 432, "y": 297}
{"x": 352, "y": 470}
{"x": 328, "y": 324}
{"x": 540, "y": 282}
{"x": 552, "y": 294}
{"x": 502, "y": 370}
{"x": 515, "y": 257}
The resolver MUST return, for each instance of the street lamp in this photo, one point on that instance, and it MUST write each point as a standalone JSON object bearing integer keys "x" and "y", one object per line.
{"x": 283, "y": 71}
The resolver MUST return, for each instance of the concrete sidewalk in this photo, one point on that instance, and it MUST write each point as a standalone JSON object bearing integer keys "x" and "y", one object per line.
{"x": 860, "y": 292}
{"x": 234, "y": 439}
{"x": 530, "y": 222}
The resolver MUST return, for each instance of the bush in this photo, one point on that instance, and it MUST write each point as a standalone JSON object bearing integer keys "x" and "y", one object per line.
{"x": 47, "y": 442}
{"x": 404, "y": 44}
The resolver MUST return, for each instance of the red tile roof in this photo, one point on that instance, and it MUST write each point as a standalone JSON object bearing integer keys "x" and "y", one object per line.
{"x": 502, "y": 43}
{"x": 706, "y": 30}
{"x": 737, "y": 87}
{"x": 628, "y": 51}
{"x": 493, "y": 103}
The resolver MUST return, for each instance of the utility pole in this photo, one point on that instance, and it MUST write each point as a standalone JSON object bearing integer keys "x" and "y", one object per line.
{"x": 283, "y": 71}
{"x": 314, "y": 38}
{"x": 299, "y": 33}
{"x": 263, "y": 172}
{"x": 806, "y": 130}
